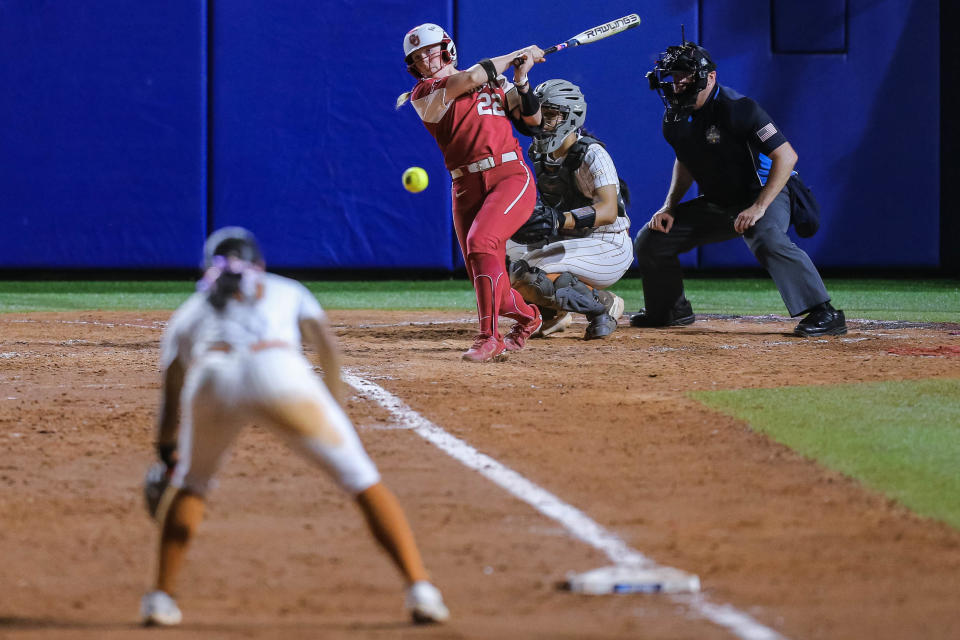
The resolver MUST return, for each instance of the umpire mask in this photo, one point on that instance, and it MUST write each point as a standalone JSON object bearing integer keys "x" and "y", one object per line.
{"x": 563, "y": 108}
{"x": 679, "y": 75}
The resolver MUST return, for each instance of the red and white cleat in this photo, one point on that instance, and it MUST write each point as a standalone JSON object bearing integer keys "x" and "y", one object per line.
{"x": 486, "y": 348}
{"x": 517, "y": 338}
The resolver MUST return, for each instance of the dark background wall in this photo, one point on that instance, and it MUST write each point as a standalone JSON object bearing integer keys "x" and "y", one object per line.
{"x": 130, "y": 130}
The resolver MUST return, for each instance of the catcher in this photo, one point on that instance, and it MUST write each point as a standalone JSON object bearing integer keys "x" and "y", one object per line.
{"x": 231, "y": 355}
{"x": 577, "y": 241}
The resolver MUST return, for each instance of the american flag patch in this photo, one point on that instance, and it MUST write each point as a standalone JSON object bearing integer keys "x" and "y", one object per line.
{"x": 765, "y": 133}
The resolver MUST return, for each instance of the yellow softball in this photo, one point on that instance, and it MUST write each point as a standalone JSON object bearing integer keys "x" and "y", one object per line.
{"x": 415, "y": 179}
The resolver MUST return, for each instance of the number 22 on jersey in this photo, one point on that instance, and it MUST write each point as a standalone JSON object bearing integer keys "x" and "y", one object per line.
{"x": 488, "y": 106}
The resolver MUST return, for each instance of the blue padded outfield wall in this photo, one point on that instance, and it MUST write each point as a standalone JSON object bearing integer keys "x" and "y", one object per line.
{"x": 864, "y": 123}
{"x": 102, "y": 125}
{"x": 308, "y": 146}
{"x": 128, "y": 130}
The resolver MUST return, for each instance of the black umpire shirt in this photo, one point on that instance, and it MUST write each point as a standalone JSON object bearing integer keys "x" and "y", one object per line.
{"x": 725, "y": 144}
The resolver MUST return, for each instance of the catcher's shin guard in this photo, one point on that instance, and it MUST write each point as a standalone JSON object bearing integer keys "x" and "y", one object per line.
{"x": 573, "y": 295}
{"x": 533, "y": 284}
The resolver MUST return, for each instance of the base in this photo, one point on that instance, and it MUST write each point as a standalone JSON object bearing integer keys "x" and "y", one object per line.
{"x": 632, "y": 579}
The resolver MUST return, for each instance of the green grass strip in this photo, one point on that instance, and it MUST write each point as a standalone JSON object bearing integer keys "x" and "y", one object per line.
{"x": 906, "y": 300}
{"x": 901, "y": 438}
{"x": 396, "y": 294}
{"x": 30, "y": 296}
{"x": 914, "y": 300}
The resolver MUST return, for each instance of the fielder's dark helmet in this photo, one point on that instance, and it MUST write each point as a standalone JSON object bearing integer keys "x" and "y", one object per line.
{"x": 232, "y": 241}
{"x": 676, "y": 62}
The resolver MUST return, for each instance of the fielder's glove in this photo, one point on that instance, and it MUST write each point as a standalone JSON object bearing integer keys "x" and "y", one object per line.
{"x": 155, "y": 483}
{"x": 545, "y": 222}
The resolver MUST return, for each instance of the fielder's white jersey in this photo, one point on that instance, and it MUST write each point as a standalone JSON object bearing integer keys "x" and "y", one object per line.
{"x": 272, "y": 313}
{"x": 596, "y": 171}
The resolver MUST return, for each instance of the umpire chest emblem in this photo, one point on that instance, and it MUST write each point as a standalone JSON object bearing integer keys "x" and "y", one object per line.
{"x": 713, "y": 135}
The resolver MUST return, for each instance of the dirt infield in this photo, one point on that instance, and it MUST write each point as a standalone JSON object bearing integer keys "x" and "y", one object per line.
{"x": 605, "y": 426}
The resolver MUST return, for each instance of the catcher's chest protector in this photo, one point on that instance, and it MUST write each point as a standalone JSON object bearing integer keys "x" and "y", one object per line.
{"x": 558, "y": 185}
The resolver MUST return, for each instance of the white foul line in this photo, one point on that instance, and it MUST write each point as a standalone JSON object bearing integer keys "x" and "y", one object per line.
{"x": 575, "y": 521}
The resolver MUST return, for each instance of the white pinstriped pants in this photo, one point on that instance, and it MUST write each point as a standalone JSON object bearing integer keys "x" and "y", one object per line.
{"x": 599, "y": 260}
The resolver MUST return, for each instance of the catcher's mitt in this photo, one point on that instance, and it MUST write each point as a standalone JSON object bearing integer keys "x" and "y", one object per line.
{"x": 154, "y": 485}
{"x": 545, "y": 222}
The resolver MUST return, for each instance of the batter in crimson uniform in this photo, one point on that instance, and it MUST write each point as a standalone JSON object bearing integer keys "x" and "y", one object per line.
{"x": 469, "y": 114}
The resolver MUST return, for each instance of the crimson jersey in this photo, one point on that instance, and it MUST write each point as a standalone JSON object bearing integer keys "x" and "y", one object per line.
{"x": 472, "y": 127}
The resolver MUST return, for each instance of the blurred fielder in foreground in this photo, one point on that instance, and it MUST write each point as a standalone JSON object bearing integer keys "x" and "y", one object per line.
{"x": 231, "y": 355}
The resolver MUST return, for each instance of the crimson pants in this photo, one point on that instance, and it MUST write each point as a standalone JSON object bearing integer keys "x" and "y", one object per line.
{"x": 488, "y": 207}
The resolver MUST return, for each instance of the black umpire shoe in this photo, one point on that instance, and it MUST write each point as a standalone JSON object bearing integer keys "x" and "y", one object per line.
{"x": 823, "y": 320}
{"x": 643, "y": 320}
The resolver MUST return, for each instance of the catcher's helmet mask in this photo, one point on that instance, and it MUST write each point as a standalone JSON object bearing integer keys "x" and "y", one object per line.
{"x": 688, "y": 60}
{"x": 566, "y": 99}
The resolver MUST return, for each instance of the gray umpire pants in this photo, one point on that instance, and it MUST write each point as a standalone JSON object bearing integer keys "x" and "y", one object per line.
{"x": 698, "y": 222}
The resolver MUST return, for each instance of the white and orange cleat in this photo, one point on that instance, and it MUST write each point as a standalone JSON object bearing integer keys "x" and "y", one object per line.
{"x": 425, "y": 603}
{"x": 159, "y": 609}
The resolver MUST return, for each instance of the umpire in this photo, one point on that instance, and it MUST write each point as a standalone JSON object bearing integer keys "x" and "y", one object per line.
{"x": 741, "y": 162}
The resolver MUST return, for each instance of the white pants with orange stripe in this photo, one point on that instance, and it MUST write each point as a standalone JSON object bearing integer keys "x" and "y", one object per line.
{"x": 275, "y": 388}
